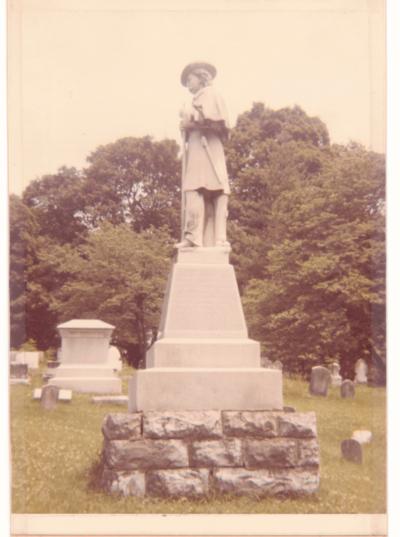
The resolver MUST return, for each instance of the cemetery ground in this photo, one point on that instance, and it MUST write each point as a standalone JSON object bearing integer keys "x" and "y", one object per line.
{"x": 54, "y": 456}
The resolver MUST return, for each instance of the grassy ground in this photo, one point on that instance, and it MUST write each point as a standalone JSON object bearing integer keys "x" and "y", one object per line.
{"x": 53, "y": 455}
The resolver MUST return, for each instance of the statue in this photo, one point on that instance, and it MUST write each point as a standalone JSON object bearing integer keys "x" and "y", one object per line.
{"x": 205, "y": 186}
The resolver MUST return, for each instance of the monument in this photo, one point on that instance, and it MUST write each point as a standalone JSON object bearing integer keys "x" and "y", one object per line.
{"x": 203, "y": 358}
{"x": 204, "y": 416}
{"x": 84, "y": 358}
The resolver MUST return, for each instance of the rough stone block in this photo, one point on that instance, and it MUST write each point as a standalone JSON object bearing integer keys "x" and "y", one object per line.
{"x": 226, "y": 452}
{"x": 308, "y": 452}
{"x": 145, "y": 454}
{"x": 245, "y": 423}
{"x": 241, "y": 481}
{"x": 175, "y": 424}
{"x": 352, "y": 450}
{"x": 122, "y": 426}
{"x": 187, "y": 482}
{"x": 298, "y": 425}
{"x": 270, "y": 453}
{"x": 125, "y": 483}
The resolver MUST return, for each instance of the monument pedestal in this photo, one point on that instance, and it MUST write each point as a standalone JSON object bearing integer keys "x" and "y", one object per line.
{"x": 84, "y": 363}
{"x": 203, "y": 359}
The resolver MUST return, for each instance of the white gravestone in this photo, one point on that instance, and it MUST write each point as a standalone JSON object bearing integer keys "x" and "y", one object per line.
{"x": 84, "y": 363}
{"x": 29, "y": 358}
{"x": 361, "y": 369}
{"x": 336, "y": 378}
{"x": 114, "y": 358}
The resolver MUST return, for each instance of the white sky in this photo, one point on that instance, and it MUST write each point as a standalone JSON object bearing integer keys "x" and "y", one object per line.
{"x": 87, "y": 72}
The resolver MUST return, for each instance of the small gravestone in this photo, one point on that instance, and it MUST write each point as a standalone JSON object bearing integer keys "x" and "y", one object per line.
{"x": 49, "y": 397}
{"x": 13, "y": 356}
{"x": 362, "y": 437}
{"x": 361, "y": 370}
{"x": 65, "y": 396}
{"x": 18, "y": 371}
{"x": 352, "y": 450}
{"x": 336, "y": 378}
{"x": 110, "y": 399}
{"x": 319, "y": 381}
{"x": 347, "y": 389}
{"x": 37, "y": 394}
{"x": 289, "y": 409}
{"x": 29, "y": 358}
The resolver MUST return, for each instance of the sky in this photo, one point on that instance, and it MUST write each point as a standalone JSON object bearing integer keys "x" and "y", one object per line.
{"x": 83, "y": 73}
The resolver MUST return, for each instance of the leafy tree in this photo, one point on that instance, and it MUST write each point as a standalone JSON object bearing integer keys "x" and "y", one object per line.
{"x": 118, "y": 276}
{"x": 134, "y": 181}
{"x": 58, "y": 203}
{"x": 23, "y": 228}
{"x": 323, "y": 286}
{"x": 268, "y": 152}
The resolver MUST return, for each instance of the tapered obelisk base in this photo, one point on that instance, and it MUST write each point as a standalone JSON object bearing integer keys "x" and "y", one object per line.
{"x": 203, "y": 359}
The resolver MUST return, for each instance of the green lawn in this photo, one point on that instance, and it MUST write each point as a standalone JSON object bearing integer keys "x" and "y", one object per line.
{"x": 54, "y": 454}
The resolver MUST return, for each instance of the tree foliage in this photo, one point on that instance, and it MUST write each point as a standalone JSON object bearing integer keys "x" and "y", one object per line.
{"x": 134, "y": 181}
{"x": 306, "y": 226}
{"x": 117, "y": 275}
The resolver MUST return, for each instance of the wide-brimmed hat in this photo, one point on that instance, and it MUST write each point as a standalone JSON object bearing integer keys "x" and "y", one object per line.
{"x": 197, "y": 65}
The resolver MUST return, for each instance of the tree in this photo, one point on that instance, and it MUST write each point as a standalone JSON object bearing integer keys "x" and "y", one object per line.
{"x": 323, "y": 289}
{"x": 134, "y": 181}
{"x": 23, "y": 229}
{"x": 118, "y": 276}
{"x": 58, "y": 203}
{"x": 268, "y": 152}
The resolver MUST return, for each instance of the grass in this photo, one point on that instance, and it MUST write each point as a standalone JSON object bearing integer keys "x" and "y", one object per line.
{"x": 54, "y": 455}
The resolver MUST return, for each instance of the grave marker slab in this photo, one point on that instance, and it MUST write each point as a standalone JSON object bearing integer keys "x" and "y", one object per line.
{"x": 319, "y": 381}
{"x": 49, "y": 397}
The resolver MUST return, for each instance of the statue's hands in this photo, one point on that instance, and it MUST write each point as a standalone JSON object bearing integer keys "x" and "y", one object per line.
{"x": 187, "y": 124}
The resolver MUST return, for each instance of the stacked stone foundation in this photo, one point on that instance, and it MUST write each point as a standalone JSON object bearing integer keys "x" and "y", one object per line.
{"x": 197, "y": 454}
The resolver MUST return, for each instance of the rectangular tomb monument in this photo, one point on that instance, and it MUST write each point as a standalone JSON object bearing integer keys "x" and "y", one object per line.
{"x": 84, "y": 364}
{"x": 203, "y": 358}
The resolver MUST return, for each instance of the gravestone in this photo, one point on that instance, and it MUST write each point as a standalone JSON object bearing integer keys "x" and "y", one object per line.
{"x": 83, "y": 359}
{"x": 63, "y": 395}
{"x": 361, "y": 370}
{"x": 319, "y": 381}
{"x": 336, "y": 378}
{"x": 347, "y": 389}
{"x": 49, "y": 397}
{"x": 29, "y": 358}
{"x": 114, "y": 358}
{"x": 363, "y": 437}
{"x": 352, "y": 450}
{"x": 18, "y": 371}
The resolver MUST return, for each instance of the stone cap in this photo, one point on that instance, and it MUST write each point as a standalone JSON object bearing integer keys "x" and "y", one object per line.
{"x": 86, "y": 324}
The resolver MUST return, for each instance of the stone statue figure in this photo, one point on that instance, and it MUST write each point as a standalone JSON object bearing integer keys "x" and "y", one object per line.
{"x": 205, "y": 186}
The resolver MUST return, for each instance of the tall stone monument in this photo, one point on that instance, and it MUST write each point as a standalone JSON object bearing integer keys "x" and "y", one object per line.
{"x": 203, "y": 358}
{"x": 205, "y": 417}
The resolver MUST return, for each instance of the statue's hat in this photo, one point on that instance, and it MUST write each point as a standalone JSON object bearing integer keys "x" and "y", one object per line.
{"x": 197, "y": 65}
